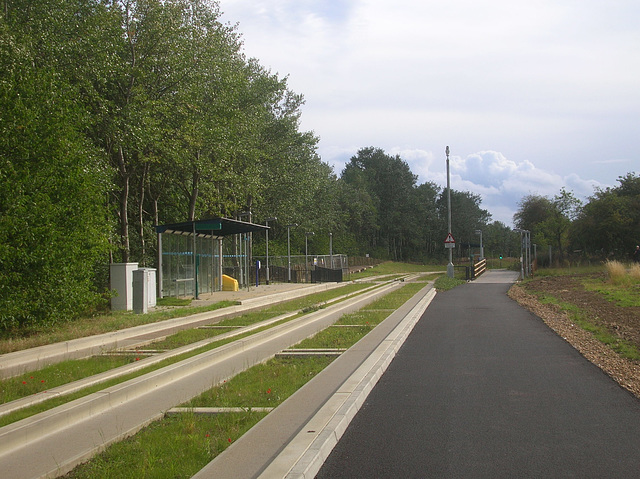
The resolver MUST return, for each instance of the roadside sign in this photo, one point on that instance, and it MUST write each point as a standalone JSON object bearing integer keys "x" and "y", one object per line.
{"x": 449, "y": 242}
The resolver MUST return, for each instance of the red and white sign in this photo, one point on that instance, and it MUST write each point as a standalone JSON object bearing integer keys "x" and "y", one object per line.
{"x": 449, "y": 242}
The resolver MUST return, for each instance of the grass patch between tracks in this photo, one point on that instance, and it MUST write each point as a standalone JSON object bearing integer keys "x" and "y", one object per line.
{"x": 203, "y": 437}
{"x": 114, "y": 321}
{"x": 393, "y": 268}
{"x": 58, "y": 374}
{"x": 175, "y": 447}
{"x": 73, "y": 370}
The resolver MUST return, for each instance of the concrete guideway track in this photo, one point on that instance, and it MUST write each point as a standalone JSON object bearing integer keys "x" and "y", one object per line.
{"x": 69, "y": 434}
{"x": 19, "y": 362}
{"x": 69, "y": 388}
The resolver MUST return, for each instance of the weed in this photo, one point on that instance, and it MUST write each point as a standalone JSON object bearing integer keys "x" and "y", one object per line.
{"x": 617, "y": 272}
{"x": 173, "y": 301}
{"x": 634, "y": 272}
{"x": 58, "y": 374}
{"x": 444, "y": 283}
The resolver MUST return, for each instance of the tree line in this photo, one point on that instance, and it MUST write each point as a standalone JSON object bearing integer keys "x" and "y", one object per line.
{"x": 118, "y": 115}
{"x": 605, "y": 226}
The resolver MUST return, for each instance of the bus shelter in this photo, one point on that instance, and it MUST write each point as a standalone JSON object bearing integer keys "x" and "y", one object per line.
{"x": 190, "y": 254}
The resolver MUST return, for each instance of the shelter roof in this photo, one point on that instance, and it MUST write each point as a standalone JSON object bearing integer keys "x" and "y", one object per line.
{"x": 214, "y": 227}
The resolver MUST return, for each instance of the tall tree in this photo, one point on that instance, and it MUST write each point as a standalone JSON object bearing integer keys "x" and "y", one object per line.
{"x": 467, "y": 216}
{"x": 548, "y": 220}
{"x": 390, "y": 184}
{"x": 609, "y": 223}
{"x": 532, "y": 210}
{"x": 52, "y": 187}
{"x": 424, "y": 223}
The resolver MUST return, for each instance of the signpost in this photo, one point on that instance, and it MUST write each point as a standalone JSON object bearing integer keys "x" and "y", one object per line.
{"x": 449, "y": 244}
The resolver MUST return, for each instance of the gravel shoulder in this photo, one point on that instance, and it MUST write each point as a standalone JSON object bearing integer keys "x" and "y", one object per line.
{"x": 624, "y": 322}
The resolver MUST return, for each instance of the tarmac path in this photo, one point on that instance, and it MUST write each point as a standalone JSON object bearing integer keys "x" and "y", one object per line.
{"x": 482, "y": 388}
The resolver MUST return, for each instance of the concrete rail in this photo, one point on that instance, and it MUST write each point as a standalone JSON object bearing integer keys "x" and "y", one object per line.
{"x": 65, "y": 436}
{"x": 20, "y": 362}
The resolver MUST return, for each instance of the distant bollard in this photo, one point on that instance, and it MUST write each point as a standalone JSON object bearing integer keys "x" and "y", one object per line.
{"x": 257, "y": 273}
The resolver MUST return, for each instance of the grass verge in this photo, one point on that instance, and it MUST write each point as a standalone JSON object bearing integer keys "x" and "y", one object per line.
{"x": 66, "y": 331}
{"x": 444, "y": 283}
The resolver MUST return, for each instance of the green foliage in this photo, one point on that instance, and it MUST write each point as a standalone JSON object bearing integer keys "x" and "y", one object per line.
{"x": 392, "y": 267}
{"x": 609, "y": 224}
{"x": 52, "y": 186}
{"x": 468, "y": 217}
{"x": 393, "y": 218}
{"x": 121, "y": 115}
{"x": 444, "y": 283}
{"x": 173, "y": 302}
{"x": 57, "y": 375}
{"x": 178, "y": 446}
{"x": 548, "y": 220}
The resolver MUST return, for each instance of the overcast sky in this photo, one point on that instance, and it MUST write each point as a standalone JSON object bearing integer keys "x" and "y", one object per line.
{"x": 530, "y": 96}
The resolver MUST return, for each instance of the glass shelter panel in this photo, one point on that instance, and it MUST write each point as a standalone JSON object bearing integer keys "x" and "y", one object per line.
{"x": 181, "y": 273}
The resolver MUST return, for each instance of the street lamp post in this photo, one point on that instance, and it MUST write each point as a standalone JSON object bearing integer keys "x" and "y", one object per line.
{"x": 450, "y": 272}
{"x": 525, "y": 252}
{"x": 266, "y": 222}
{"x": 244, "y": 241}
{"x": 292, "y": 225}
{"x": 306, "y": 254}
{"x": 479, "y": 232}
{"x": 331, "y": 249}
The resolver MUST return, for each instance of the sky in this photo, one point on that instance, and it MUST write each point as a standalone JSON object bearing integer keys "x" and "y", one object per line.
{"x": 531, "y": 96}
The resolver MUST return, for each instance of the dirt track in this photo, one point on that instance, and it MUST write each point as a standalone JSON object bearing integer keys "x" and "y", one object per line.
{"x": 622, "y": 322}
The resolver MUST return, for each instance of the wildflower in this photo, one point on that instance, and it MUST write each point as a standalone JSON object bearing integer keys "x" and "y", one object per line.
{"x": 229, "y": 440}
{"x": 269, "y": 391}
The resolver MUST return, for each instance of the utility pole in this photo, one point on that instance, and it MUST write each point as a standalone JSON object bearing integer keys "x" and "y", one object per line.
{"x": 450, "y": 272}
{"x": 292, "y": 225}
{"x": 266, "y": 222}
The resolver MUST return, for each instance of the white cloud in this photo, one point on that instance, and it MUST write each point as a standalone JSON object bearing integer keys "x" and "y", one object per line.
{"x": 501, "y": 183}
{"x": 531, "y": 96}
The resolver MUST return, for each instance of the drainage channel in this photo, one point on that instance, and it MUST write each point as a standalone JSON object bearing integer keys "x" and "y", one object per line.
{"x": 71, "y": 433}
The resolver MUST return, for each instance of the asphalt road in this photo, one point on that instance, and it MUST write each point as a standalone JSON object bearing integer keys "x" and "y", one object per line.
{"x": 483, "y": 389}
